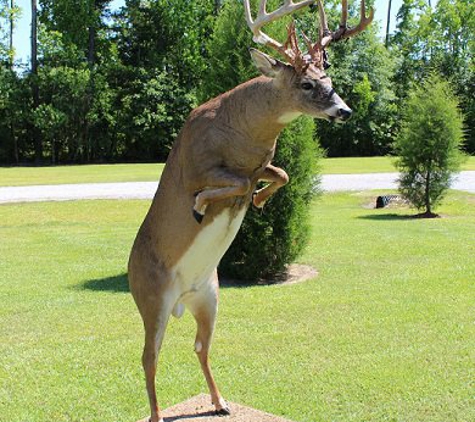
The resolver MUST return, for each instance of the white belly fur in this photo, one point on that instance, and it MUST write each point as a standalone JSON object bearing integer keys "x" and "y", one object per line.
{"x": 197, "y": 265}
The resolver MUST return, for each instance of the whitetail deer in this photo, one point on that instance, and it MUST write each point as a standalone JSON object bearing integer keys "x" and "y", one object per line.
{"x": 209, "y": 180}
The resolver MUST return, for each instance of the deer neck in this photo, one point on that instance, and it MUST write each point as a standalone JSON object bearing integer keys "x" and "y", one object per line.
{"x": 264, "y": 110}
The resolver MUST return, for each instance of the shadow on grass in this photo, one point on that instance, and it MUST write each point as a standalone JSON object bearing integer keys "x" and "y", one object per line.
{"x": 295, "y": 273}
{"x": 386, "y": 217}
{"x": 394, "y": 217}
{"x": 117, "y": 284}
{"x": 120, "y": 284}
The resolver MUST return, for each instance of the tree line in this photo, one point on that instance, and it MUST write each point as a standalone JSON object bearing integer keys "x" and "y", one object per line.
{"x": 109, "y": 86}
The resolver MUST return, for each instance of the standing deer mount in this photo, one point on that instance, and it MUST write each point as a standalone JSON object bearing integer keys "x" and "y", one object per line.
{"x": 224, "y": 149}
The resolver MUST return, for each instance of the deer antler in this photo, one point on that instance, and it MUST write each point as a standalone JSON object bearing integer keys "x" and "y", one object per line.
{"x": 326, "y": 36}
{"x": 289, "y": 49}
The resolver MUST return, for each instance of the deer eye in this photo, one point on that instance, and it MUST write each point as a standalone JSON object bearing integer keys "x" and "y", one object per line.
{"x": 306, "y": 86}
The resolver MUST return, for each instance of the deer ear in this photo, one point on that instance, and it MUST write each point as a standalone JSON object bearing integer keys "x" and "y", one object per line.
{"x": 267, "y": 65}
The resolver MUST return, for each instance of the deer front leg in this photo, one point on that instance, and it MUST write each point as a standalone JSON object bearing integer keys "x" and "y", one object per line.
{"x": 223, "y": 185}
{"x": 277, "y": 178}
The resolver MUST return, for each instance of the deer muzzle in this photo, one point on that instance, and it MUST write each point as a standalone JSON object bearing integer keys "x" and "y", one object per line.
{"x": 344, "y": 114}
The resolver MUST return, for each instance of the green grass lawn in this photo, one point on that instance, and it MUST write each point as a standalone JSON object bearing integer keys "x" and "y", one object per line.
{"x": 384, "y": 333}
{"x": 93, "y": 173}
{"x": 20, "y": 176}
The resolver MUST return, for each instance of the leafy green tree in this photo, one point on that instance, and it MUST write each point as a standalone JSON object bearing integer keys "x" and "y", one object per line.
{"x": 153, "y": 108}
{"x": 410, "y": 46}
{"x": 62, "y": 112}
{"x": 9, "y": 14}
{"x": 437, "y": 39}
{"x": 271, "y": 239}
{"x": 167, "y": 35}
{"x": 50, "y": 121}
{"x": 4, "y": 17}
{"x": 230, "y": 39}
{"x": 13, "y": 94}
{"x": 362, "y": 74}
{"x": 104, "y": 140}
{"x": 429, "y": 144}
{"x": 33, "y": 81}
{"x": 362, "y": 71}
{"x": 160, "y": 58}
{"x": 453, "y": 55}
{"x": 73, "y": 36}
{"x": 15, "y": 104}
{"x": 79, "y": 22}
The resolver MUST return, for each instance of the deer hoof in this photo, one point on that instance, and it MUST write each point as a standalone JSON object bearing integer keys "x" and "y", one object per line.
{"x": 198, "y": 216}
{"x": 225, "y": 411}
{"x": 255, "y": 204}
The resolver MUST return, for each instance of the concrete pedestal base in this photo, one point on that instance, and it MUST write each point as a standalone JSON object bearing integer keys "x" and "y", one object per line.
{"x": 200, "y": 409}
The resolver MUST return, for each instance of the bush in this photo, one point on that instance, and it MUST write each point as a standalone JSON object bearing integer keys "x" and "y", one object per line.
{"x": 429, "y": 144}
{"x": 274, "y": 237}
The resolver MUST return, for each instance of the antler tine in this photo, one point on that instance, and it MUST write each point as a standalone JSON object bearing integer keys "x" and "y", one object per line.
{"x": 344, "y": 13}
{"x": 263, "y": 7}
{"x": 364, "y": 21}
{"x": 326, "y": 36}
{"x": 263, "y": 18}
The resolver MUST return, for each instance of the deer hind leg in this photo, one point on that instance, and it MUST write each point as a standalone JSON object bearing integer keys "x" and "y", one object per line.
{"x": 155, "y": 323}
{"x": 221, "y": 185}
{"x": 204, "y": 307}
{"x": 277, "y": 178}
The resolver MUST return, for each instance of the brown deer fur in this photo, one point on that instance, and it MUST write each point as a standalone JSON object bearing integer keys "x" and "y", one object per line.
{"x": 224, "y": 149}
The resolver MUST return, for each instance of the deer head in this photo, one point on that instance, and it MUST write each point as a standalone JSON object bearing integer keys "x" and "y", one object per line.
{"x": 308, "y": 89}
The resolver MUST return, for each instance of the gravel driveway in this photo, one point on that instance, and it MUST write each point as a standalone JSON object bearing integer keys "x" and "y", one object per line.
{"x": 465, "y": 181}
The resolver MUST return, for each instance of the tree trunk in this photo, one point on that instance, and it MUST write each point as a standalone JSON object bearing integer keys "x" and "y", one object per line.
{"x": 34, "y": 80}
{"x": 388, "y": 24}
{"x": 91, "y": 51}
{"x": 15, "y": 142}
{"x": 12, "y": 62}
{"x": 53, "y": 156}
{"x": 12, "y": 25}
{"x": 427, "y": 192}
{"x": 91, "y": 58}
{"x": 34, "y": 37}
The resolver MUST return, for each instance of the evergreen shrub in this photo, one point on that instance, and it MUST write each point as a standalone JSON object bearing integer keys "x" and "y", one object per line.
{"x": 271, "y": 238}
{"x": 429, "y": 144}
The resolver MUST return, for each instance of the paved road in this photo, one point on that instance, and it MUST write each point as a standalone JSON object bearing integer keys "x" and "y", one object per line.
{"x": 145, "y": 190}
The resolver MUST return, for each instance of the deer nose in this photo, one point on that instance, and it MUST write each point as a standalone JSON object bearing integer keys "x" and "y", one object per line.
{"x": 344, "y": 113}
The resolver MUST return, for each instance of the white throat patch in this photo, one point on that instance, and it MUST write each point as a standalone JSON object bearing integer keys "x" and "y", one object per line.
{"x": 288, "y": 117}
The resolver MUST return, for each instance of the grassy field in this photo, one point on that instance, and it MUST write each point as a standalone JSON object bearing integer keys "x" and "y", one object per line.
{"x": 20, "y": 176}
{"x": 384, "y": 333}
{"x": 100, "y": 173}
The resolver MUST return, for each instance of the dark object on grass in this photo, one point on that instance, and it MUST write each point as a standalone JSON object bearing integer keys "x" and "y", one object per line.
{"x": 384, "y": 200}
